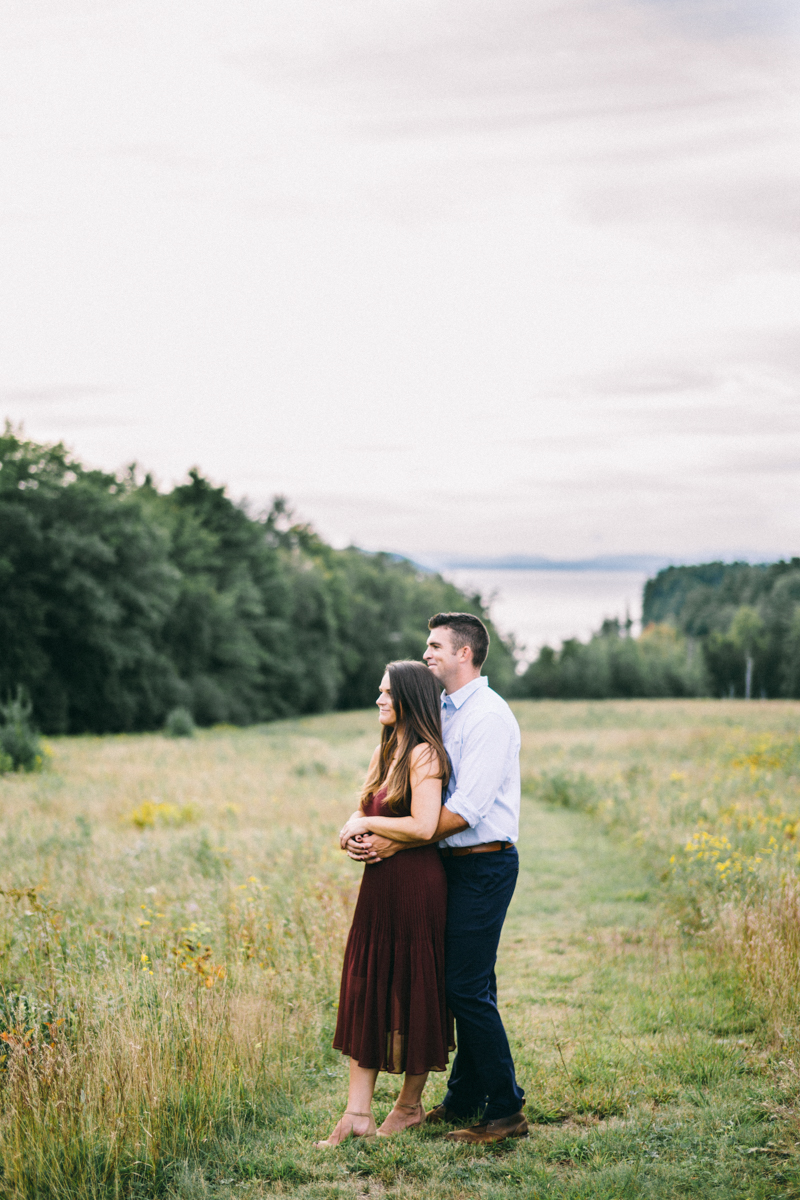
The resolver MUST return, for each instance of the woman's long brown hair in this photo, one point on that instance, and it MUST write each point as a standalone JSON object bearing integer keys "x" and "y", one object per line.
{"x": 417, "y": 705}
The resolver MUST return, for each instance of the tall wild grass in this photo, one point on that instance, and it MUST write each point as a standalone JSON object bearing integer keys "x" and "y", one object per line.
{"x": 173, "y": 912}
{"x": 711, "y": 793}
{"x": 172, "y": 922}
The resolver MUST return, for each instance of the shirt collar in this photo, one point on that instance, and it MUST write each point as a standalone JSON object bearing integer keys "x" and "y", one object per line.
{"x": 464, "y": 693}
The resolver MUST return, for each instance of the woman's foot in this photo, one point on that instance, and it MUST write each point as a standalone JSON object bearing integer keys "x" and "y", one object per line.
{"x": 402, "y": 1116}
{"x": 352, "y": 1124}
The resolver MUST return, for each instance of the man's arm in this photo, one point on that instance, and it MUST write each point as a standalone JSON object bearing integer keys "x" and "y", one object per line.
{"x": 481, "y": 772}
{"x": 483, "y": 768}
{"x": 373, "y": 847}
{"x": 449, "y": 822}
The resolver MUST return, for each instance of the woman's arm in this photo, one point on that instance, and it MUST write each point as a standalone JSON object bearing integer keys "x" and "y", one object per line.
{"x": 374, "y": 848}
{"x": 426, "y": 806}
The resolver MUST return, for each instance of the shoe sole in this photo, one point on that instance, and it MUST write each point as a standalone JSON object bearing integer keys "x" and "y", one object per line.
{"x": 487, "y": 1141}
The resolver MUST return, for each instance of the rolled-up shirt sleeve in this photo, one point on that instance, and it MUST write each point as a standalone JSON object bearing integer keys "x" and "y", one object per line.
{"x": 482, "y": 770}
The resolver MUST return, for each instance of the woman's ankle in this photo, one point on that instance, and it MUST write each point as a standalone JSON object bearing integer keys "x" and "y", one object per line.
{"x": 402, "y": 1116}
{"x": 357, "y": 1116}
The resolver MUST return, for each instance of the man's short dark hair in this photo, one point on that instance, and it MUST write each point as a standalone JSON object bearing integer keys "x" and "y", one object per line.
{"x": 467, "y": 630}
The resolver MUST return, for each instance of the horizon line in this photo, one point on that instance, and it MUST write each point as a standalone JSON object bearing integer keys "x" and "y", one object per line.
{"x": 603, "y": 562}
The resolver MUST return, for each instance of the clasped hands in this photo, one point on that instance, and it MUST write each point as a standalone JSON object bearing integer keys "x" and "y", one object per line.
{"x": 361, "y": 845}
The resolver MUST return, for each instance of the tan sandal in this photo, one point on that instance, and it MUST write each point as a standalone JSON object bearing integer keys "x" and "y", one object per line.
{"x": 327, "y": 1144}
{"x": 409, "y": 1108}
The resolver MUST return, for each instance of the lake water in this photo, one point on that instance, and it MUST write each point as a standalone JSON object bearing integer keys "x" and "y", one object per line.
{"x": 545, "y": 607}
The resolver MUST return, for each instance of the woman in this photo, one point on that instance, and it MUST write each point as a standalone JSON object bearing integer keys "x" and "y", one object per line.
{"x": 392, "y": 1011}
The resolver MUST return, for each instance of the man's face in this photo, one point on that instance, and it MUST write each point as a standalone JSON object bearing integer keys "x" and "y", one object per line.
{"x": 441, "y": 656}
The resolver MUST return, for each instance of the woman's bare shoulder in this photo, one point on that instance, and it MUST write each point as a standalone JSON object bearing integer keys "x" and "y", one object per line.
{"x": 375, "y": 755}
{"x": 423, "y": 756}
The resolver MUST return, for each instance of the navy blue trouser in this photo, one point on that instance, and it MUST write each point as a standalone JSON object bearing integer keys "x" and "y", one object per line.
{"x": 479, "y": 891}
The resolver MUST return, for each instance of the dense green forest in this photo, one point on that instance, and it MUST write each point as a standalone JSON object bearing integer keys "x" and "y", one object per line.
{"x": 711, "y": 630}
{"x": 119, "y": 602}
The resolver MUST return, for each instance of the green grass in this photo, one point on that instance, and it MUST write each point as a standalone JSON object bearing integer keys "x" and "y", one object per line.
{"x": 174, "y": 914}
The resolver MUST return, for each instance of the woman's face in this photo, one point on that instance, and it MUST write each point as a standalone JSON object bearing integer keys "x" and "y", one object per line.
{"x": 386, "y": 713}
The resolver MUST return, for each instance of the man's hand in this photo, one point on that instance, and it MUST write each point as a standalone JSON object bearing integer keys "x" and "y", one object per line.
{"x": 371, "y": 848}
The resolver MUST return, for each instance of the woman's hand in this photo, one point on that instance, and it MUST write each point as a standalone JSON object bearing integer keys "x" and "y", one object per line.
{"x": 372, "y": 848}
{"x": 355, "y": 824}
{"x": 359, "y": 848}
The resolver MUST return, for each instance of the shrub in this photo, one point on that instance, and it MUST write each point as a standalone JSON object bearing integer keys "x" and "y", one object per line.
{"x": 179, "y": 723}
{"x": 149, "y": 814}
{"x": 612, "y": 665}
{"x": 20, "y": 748}
{"x": 564, "y": 789}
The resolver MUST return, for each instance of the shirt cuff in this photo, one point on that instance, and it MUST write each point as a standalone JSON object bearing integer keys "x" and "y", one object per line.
{"x": 462, "y": 808}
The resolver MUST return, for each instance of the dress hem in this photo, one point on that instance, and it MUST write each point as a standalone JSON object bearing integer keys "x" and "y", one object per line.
{"x": 394, "y": 1070}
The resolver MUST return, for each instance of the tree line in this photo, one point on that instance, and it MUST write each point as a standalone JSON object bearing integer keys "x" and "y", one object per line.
{"x": 716, "y": 629}
{"x": 120, "y": 602}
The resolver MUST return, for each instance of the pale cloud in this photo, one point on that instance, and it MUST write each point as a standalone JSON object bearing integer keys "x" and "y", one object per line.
{"x": 503, "y": 277}
{"x": 50, "y": 395}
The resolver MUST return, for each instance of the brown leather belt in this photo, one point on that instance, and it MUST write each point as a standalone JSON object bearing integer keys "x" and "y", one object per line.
{"x": 483, "y": 848}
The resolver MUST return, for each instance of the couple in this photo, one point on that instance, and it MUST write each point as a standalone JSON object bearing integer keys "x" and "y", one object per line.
{"x": 408, "y": 970}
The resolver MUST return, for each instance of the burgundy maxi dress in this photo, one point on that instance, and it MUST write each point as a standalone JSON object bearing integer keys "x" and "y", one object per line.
{"x": 392, "y": 1009}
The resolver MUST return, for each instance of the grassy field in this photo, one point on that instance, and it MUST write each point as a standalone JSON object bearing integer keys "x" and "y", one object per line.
{"x": 173, "y": 916}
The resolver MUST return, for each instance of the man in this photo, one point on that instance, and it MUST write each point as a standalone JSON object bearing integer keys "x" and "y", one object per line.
{"x": 477, "y": 831}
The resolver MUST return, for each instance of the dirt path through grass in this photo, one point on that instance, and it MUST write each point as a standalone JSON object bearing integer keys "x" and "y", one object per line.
{"x": 582, "y": 902}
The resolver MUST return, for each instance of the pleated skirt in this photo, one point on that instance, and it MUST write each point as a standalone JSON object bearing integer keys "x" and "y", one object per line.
{"x": 392, "y": 1009}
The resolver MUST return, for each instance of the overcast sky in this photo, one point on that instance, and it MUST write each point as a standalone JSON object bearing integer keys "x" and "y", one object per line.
{"x": 465, "y": 276}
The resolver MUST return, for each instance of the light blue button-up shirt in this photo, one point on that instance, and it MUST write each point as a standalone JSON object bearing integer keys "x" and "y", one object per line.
{"x": 481, "y": 735}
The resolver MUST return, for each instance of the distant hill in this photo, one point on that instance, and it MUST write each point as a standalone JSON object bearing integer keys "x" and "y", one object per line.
{"x": 522, "y": 562}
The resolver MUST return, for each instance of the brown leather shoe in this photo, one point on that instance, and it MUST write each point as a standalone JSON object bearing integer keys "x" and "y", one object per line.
{"x": 441, "y": 1115}
{"x": 491, "y": 1131}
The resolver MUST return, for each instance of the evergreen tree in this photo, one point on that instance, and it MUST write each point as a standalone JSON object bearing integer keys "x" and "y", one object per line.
{"x": 119, "y": 603}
